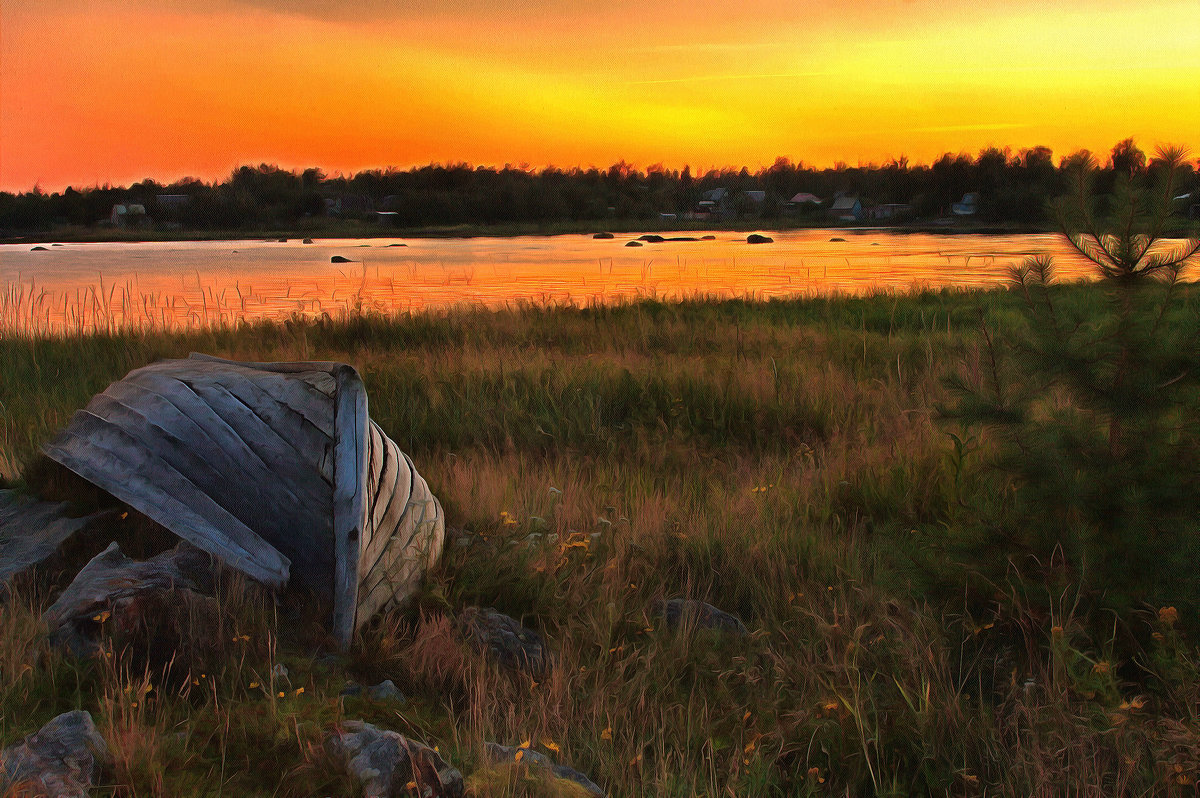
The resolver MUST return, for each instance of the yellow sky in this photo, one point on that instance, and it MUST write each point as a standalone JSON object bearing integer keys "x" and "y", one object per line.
{"x": 94, "y": 92}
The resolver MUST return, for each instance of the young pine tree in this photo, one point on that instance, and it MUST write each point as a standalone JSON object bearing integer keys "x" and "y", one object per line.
{"x": 1097, "y": 404}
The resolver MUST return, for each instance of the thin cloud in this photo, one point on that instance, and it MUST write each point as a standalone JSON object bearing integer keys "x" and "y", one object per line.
{"x": 711, "y": 78}
{"x": 967, "y": 128}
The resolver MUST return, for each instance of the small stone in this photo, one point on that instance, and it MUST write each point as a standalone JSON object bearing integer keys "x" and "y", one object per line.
{"x": 39, "y": 249}
{"x": 633, "y": 243}
{"x": 755, "y": 238}
{"x": 504, "y": 639}
{"x": 386, "y": 691}
{"x": 702, "y": 614}
{"x": 62, "y": 759}
{"x": 504, "y": 753}
{"x": 340, "y": 259}
{"x": 384, "y": 762}
{"x": 837, "y": 240}
{"x": 307, "y": 241}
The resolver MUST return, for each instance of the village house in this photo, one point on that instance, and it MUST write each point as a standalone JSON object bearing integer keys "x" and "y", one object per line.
{"x": 846, "y": 209}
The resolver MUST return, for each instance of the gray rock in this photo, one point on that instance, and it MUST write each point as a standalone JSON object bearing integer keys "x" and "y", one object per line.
{"x": 504, "y": 639}
{"x": 755, "y": 238}
{"x": 62, "y": 759}
{"x": 703, "y": 615}
{"x": 386, "y": 691}
{"x": 504, "y": 753}
{"x": 385, "y": 762}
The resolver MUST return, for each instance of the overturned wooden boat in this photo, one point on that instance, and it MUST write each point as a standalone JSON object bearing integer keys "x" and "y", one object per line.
{"x": 275, "y": 468}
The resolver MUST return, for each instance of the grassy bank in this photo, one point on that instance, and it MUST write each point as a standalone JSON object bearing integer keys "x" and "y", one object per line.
{"x": 782, "y": 460}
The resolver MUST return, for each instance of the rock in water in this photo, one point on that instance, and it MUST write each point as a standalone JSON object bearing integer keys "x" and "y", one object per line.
{"x": 340, "y": 259}
{"x": 652, "y": 238}
{"x": 504, "y": 753}
{"x": 307, "y": 241}
{"x": 62, "y": 759}
{"x": 385, "y": 762}
{"x": 603, "y": 235}
{"x": 503, "y": 639}
{"x": 633, "y": 243}
{"x": 39, "y": 249}
{"x": 755, "y": 238}
{"x": 703, "y": 615}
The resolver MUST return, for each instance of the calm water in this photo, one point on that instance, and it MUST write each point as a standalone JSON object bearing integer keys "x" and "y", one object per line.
{"x": 88, "y": 286}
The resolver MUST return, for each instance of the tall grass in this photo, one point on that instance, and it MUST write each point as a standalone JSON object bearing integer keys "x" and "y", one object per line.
{"x": 783, "y": 460}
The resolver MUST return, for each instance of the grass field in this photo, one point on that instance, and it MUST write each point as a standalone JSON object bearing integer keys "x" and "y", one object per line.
{"x": 783, "y": 460}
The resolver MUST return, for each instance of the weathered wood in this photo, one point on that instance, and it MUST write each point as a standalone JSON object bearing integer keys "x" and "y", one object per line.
{"x": 108, "y": 578}
{"x": 349, "y": 498}
{"x": 31, "y": 532}
{"x": 275, "y": 468}
{"x": 205, "y": 524}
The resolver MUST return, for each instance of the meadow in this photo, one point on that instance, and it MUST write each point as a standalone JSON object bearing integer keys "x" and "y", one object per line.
{"x": 789, "y": 461}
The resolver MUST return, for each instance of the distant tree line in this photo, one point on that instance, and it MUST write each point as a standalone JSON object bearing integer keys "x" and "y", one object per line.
{"x": 1012, "y": 188}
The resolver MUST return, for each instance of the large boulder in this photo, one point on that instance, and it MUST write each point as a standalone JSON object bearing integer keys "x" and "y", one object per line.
{"x": 62, "y": 759}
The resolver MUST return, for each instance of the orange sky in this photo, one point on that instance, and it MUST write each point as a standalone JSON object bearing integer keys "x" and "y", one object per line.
{"x": 94, "y": 92}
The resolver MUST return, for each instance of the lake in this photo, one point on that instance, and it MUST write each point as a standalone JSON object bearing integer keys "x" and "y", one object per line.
{"x": 73, "y": 287}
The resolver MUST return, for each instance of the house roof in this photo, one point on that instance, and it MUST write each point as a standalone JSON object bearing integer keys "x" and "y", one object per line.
{"x": 804, "y": 196}
{"x": 844, "y": 203}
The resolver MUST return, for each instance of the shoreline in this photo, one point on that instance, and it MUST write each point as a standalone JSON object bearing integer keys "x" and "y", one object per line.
{"x": 83, "y": 235}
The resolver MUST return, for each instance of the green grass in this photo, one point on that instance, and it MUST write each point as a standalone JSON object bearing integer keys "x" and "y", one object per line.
{"x": 783, "y": 460}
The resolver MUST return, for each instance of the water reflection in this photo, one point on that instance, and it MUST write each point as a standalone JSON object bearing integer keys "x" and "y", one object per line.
{"x": 96, "y": 286}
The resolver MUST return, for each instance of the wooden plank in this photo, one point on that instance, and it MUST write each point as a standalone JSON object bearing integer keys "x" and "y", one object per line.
{"x": 266, "y": 503}
{"x": 159, "y": 444}
{"x": 297, "y": 477}
{"x": 394, "y": 496}
{"x": 289, "y": 390}
{"x": 207, "y": 526}
{"x": 31, "y": 532}
{"x": 349, "y": 498}
{"x": 216, "y": 429}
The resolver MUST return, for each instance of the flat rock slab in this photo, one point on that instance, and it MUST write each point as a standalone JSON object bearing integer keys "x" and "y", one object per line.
{"x": 62, "y": 759}
{"x": 698, "y": 613}
{"x": 386, "y": 763}
{"x": 109, "y": 578}
{"x": 504, "y": 639}
{"x": 31, "y": 532}
{"x": 504, "y": 753}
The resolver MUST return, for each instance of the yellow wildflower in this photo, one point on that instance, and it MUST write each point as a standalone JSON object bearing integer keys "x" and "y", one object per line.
{"x": 1168, "y": 616}
{"x": 550, "y": 745}
{"x": 606, "y": 734}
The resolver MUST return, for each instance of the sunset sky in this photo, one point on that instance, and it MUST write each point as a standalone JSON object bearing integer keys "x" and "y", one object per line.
{"x": 94, "y": 92}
